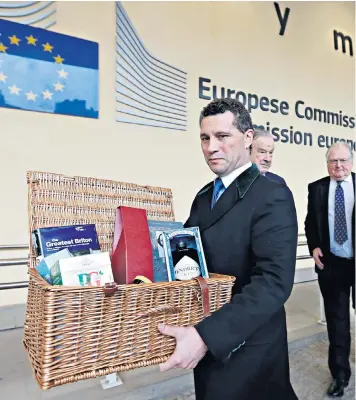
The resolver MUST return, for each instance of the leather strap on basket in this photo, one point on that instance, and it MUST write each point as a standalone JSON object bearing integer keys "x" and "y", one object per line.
{"x": 205, "y": 298}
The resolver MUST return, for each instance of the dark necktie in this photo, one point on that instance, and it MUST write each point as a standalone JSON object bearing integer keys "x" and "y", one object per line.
{"x": 340, "y": 227}
{"x": 219, "y": 189}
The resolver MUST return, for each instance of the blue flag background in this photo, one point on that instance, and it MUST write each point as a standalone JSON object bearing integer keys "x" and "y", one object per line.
{"x": 46, "y": 71}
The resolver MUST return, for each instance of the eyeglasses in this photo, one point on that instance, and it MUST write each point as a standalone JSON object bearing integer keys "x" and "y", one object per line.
{"x": 342, "y": 161}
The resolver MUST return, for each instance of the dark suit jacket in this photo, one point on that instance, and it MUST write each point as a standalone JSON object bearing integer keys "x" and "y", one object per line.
{"x": 317, "y": 221}
{"x": 252, "y": 237}
{"x": 275, "y": 177}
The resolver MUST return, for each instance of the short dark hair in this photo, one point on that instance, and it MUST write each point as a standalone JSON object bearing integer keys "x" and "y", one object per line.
{"x": 242, "y": 120}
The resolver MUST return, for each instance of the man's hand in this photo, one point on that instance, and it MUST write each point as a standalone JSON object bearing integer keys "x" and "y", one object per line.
{"x": 190, "y": 348}
{"x": 317, "y": 253}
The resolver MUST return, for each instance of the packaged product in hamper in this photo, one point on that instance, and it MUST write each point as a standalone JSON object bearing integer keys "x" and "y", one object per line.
{"x": 184, "y": 254}
{"x": 156, "y": 228}
{"x": 44, "y": 267}
{"x": 87, "y": 270}
{"x": 132, "y": 250}
{"x": 78, "y": 239}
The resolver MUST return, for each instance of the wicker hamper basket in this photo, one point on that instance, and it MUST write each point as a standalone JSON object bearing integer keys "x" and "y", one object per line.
{"x": 73, "y": 333}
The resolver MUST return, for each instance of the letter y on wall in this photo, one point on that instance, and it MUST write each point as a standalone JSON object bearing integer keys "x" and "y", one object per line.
{"x": 282, "y": 18}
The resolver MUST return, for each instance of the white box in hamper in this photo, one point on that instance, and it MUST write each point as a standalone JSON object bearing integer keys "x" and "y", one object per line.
{"x": 87, "y": 270}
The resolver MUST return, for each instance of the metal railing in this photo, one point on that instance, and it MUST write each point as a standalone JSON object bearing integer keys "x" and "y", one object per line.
{"x": 14, "y": 285}
{"x": 13, "y": 246}
{"x": 9, "y": 262}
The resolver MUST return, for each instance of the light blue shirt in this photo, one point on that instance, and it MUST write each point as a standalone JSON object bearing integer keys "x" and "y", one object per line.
{"x": 342, "y": 250}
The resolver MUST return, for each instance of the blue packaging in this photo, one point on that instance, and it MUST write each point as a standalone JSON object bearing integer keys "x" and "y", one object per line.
{"x": 156, "y": 228}
{"x": 44, "y": 267}
{"x": 78, "y": 239}
{"x": 184, "y": 252}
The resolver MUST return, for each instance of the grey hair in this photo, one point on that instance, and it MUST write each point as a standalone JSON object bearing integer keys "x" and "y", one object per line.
{"x": 336, "y": 144}
{"x": 261, "y": 133}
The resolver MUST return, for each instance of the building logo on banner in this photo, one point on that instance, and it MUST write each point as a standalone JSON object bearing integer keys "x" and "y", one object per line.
{"x": 149, "y": 91}
{"x": 154, "y": 93}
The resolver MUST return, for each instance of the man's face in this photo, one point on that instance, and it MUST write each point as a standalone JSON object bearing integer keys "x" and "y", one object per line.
{"x": 339, "y": 163}
{"x": 223, "y": 145}
{"x": 262, "y": 153}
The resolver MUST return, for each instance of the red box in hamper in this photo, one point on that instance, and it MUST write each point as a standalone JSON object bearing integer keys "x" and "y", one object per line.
{"x": 76, "y": 333}
{"x": 132, "y": 249}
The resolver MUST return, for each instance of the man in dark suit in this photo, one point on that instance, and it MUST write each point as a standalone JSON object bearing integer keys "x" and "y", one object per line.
{"x": 240, "y": 351}
{"x": 262, "y": 150}
{"x": 329, "y": 228}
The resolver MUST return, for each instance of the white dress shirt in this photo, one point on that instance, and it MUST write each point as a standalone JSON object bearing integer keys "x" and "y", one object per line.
{"x": 341, "y": 250}
{"x": 229, "y": 178}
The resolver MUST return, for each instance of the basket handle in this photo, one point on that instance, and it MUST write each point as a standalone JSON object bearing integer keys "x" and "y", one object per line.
{"x": 111, "y": 288}
{"x": 165, "y": 308}
{"x": 171, "y": 309}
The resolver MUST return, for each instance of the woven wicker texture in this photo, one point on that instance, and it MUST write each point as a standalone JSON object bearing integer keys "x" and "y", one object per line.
{"x": 76, "y": 333}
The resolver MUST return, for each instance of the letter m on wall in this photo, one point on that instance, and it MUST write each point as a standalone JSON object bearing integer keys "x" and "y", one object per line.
{"x": 340, "y": 38}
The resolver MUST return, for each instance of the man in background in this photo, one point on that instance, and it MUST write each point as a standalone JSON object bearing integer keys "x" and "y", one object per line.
{"x": 330, "y": 228}
{"x": 262, "y": 153}
{"x": 248, "y": 227}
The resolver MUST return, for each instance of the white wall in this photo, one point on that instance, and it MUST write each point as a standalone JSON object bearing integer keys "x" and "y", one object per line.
{"x": 236, "y": 45}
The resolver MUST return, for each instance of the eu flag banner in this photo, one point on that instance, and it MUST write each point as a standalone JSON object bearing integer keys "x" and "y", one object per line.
{"x": 46, "y": 71}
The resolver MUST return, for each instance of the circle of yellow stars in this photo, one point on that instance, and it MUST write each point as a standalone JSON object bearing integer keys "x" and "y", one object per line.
{"x": 47, "y": 47}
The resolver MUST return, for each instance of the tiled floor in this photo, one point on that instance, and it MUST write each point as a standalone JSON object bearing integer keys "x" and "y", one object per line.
{"x": 309, "y": 374}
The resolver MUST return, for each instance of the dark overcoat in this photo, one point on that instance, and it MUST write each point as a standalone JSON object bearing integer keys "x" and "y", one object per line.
{"x": 251, "y": 233}
{"x": 317, "y": 221}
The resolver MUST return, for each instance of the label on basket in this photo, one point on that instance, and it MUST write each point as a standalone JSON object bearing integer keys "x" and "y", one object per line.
{"x": 87, "y": 270}
{"x": 78, "y": 239}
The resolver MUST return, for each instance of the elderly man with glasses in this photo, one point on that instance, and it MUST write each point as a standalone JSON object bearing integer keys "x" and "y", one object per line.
{"x": 330, "y": 232}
